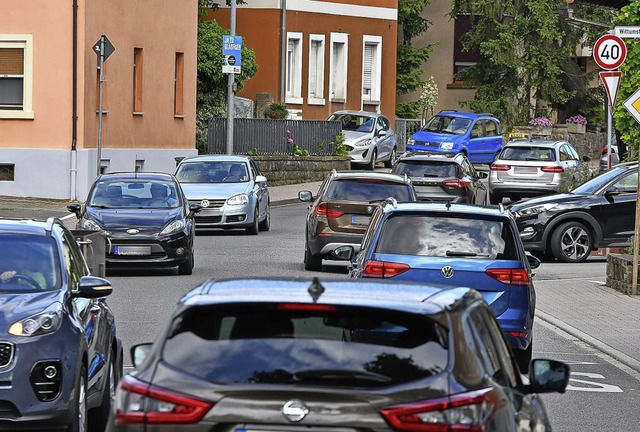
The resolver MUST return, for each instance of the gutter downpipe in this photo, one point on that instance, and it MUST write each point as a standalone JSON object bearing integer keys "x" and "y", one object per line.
{"x": 74, "y": 118}
{"x": 283, "y": 46}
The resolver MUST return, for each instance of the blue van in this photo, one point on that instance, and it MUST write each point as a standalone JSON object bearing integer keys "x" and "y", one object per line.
{"x": 478, "y": 136}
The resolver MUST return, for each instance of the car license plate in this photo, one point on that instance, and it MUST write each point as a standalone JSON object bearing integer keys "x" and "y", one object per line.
{"x": 132, "y": 250}
{"x": 360, "y": 220}
{"x": 525, "y": 170}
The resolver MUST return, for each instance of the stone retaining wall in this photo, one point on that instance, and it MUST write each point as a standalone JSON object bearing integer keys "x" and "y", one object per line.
{"x": 586, "y": 144}
{"x": 283, "y": 170}
{"x": 620, "y": 272}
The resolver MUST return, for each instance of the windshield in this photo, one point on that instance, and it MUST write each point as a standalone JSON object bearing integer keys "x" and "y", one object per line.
{"x": 282, "y": 344}
{"x": 368, "y": 190}
{"x": 354, "y": 122}
{"x": 448, "y": 124}
{"x": 426, "y": 169}
{"x": 213, "y": 172}
{"x": 28, "y": 263}
{"x": 595, "y": 184}
{"x": 134, "y": 193}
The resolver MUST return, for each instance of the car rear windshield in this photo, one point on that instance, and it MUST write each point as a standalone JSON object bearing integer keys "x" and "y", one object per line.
{"x": 538, "y": 154}
{"x": 368, "y": 190}
{"x": 427, "y": 169}
{"x": 28, "y": 263}
{"x": 448, "y": 235}
{"x": 314, "y": 344}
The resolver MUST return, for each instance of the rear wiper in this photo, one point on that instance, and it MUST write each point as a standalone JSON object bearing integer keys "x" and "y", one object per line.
{"x": 464, "y": 254}
{"x": 339, "y": 374}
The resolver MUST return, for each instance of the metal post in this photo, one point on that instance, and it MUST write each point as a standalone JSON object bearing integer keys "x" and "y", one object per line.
{"x": 609, "y": 130}
{"x": 283, "y": 47}
{"x": 636, "y": 245}
{"x": 102, "y": 80}
{"x": 230, "y": 83}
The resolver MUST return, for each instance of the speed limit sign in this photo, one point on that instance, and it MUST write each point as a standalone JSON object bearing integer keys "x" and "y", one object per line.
{"x": 609, "y": 52}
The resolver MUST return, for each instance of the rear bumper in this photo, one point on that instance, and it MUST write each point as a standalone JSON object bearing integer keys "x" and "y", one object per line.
{"x": 523, "y": 190}
{"x": 323, "y": 245}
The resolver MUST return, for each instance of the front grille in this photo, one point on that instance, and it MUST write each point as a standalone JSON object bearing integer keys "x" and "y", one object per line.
{"x": 428, "y": 144}
{"x": 6, "y": 353}
{"x": 208, "y": 219}
{"x": 8, "y": 410}
{"x": 214, "y": 203}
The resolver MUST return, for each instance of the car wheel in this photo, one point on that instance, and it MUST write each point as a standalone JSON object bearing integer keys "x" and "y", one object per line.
{"x": 254, "y": 228}
{"x": 99, "y": 416}
{"x": 186, "y": 268}
{"x": 374, "y": 155}
{"x": 265, "y": 225}
{"x": 523, "y": 358}
{"x": 311, "y": 262}
{"x": 389, "y": 162}
{"x": 80, "y": 412}
{"x": 494, "y": 198}
{"x": 571, "y": 242}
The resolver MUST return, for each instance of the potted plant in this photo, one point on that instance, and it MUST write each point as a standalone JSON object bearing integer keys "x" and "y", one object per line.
{"x": 576, "y": 124}
{"x": 542, "y": 125}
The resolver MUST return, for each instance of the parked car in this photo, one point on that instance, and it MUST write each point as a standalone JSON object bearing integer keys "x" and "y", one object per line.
{"x": 147, "y": 219}
{"x": 319, "y": 355}
{"x": 60, "y": 357}
{"x": 454, "y": 244}
{"x": 441, "y": 177}
{"x": 478, "y": 136}
{"x": 613, "y": 157}
{"x": 599, "y": 213}
{"x": 341, "y": 211}
{"x": 227, "y": 200}
{"x": 533, "y": 167}
{"x": 368, "y": 136}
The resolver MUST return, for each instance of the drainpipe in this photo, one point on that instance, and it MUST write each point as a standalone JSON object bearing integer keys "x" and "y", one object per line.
{"x": 283, "y": 46}
{"x": 74, "y": 117}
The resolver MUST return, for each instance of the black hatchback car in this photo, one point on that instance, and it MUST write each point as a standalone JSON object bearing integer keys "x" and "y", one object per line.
{"x": 599, "y": 213}
{"x": 148, "y": 220}
{"x": 442, "y": 177}
{"x": 333, "y": 355}
{"x": 60, "y": 357}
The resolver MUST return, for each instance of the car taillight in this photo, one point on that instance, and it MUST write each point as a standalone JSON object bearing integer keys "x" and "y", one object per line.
{"x": 510, "y": 276}
{"x": 140, "y": 403}
{"x": 498, "y": 167}
{"x": 552, "y": 169}
{"x": 383, "y": 269}
{"x": 457, "y": 183}
{"x": 307, "y": 307}
{"x": 470, "y": 411}
{"x": 322, "y": 210}
{"x": 604, "y": 150}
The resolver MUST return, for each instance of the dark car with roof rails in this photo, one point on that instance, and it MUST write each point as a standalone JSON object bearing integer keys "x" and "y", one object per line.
{"x": 340, "y": 212}
{"x": 280, "y": 354}
{"x": 599, "y": 213}
{"x": 148, "y": 221}
{"x": 442, "y": 177}
{"x": 60, "y": 356}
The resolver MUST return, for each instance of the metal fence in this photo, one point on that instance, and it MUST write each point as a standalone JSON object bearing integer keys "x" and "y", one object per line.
{"x": 404, "y": 129}
{"x": 271, "y": 136}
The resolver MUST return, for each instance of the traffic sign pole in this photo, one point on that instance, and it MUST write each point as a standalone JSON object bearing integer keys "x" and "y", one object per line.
{"x": 230, "y": 84}
{"x": 99, "y": 155}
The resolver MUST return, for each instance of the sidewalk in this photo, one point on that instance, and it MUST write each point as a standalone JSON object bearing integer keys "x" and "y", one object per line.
{"x": 586, "y": 309}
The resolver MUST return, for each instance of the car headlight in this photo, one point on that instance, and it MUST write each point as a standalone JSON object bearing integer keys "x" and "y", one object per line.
{"x": 411, "y": 141}
{"x": 446, "y": 145}
{"x": 531, "y": 211}
{"x": 47, "y": 321}
{"x": 90, "y": 225}
{"x": 175, "y": 226}
{"x": 239, "y": 199}
{"x": 363, "y": 143}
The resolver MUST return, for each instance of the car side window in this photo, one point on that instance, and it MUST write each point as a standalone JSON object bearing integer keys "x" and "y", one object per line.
{"x": 501, "y": 347}
{"x": 627, "y": 184}
{"x": 468, "y": 168}
{"x": 490, "y": 128}
{"x": 379, "y": 125}
{"x": 564, "y": 154}
{"x": 254, "y": 169}
{"x": 476, "y": 131}
{"x": 487, "y": 351}
{"x": 373, "y": 224}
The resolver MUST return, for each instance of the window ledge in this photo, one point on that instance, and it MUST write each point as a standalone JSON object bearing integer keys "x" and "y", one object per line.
{"x": 315, "y": 101}
{"x": 336, "y": 100}
{"x": 370, "y": 102}
{"x": 103, "y": 112}
{"x": 138, "y": 113}
{"x": 17, "y": 115}
{"x": 179, "y": 116}
{"x": 294, "y": 100}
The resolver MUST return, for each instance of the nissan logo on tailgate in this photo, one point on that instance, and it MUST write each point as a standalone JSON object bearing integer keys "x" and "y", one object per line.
{"x": 295, "y": 410}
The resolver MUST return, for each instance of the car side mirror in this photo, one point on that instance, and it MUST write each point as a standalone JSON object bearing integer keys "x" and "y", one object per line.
{"x": 75, "y": 208}
{"x": 305, "y": 196}
{"x": 194, "y": 208}
{"x": 534, "y": 262}
{"x": 261, "y": 179}
{"x": 548, "y": 376}
{"x": 382, "y": 133}
{"x": 92, "y": 287}
{"x": 140, "y": 352}
{"x": 612, "y": 191}
{"x": 586, "y": 158}
{"x": 343, "y": 253}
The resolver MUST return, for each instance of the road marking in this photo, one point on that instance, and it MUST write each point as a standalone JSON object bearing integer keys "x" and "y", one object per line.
{"x": 69, "y": 216}
{"x": 598, "y": 387}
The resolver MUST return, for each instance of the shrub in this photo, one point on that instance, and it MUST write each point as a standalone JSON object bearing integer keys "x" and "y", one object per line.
{"x": 277, "y": 110}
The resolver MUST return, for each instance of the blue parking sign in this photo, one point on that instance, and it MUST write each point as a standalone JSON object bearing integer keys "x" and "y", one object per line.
{"x": 231, "y": 54}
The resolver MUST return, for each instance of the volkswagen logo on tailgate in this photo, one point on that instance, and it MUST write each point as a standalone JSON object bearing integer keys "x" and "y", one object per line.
{"x": 295, "y": 410}
{"x": 447, "y": 272}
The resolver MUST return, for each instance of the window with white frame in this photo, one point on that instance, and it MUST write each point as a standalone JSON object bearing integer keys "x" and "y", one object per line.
{"x": 371, "y": 68}
{"x": 316, "y": 69}
{"x": 338, "y": 73}
{"x": 294, "y": 68}
{"x": 16, "y": 71}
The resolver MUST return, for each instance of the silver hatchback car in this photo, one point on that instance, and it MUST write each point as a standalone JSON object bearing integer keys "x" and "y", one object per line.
{"x": 529, "y": 168}
{"x": 231, "y": 190}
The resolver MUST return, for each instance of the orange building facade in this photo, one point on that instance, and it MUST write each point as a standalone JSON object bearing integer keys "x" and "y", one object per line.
{"x": 320, "y": 56}
{"x": 49, "y": 108}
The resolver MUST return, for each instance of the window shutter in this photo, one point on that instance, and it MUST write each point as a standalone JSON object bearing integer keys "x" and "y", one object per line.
{"x": 313, "y": 68}
{"x": 11, "y": 61}
{"x": 366, "y": 73}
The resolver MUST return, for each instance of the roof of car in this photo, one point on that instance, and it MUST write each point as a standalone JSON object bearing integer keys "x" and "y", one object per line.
{"x": 466, "y": 114}
{"x": 391, "y": 206}
{"x": 137, "y": 175}
{"x": 341, "y": 175}
{"x": 216, "y": 158}
{"x": 26, "y": 226}
{"x": 408, "y": 296}
{"x": 448, "y": 157}
{"x": 354, "y": 112}
{"x": 538, "y": 142}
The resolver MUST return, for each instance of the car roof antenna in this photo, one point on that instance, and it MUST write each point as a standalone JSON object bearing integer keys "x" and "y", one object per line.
{"x": 316, "y": 289}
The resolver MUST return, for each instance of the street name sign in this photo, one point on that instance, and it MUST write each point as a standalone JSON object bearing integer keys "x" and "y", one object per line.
{"x": 609, "y": 52}
{"x": 232, "y": 54}
{"x": 627, "y": 32}
{"x": 611, "y": 81}
{"x": 633, "y": 106}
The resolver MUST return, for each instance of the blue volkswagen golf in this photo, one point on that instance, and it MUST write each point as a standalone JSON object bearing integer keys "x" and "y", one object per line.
{"x": 461, "y": 245}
